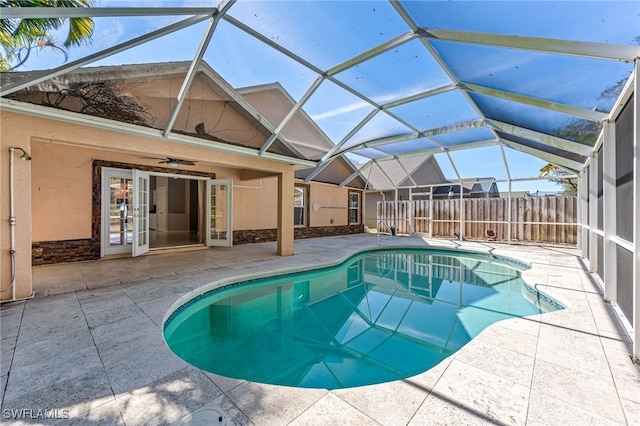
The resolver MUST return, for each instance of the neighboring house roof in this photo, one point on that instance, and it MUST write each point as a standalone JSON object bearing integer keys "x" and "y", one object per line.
{"x": 403, "y": 172}
{"x": 472, "y": 186}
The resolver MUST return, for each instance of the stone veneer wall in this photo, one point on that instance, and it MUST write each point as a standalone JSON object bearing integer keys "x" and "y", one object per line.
{"x": 49, "y": 252}
{"x": 264, "y": 235}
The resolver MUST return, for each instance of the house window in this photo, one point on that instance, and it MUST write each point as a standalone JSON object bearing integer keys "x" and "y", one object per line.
{"x": 354, "y": 208}
{"x": 299, "y": 206}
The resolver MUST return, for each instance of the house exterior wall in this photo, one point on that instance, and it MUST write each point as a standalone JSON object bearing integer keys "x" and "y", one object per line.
{"x": 56, "y": 190}
{"x": 58, "y": 181}
{"x": 332, "y": 203}
{"x": 330, "y": 219}
{"x": 18, "y": 137}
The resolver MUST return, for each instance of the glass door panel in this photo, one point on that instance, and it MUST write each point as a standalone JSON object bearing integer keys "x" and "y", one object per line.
{"x": 120, "y": 211}
{"x": 117, "y": 211}
{"x": 219, "y": 220}
{"x": 140, "y": 212}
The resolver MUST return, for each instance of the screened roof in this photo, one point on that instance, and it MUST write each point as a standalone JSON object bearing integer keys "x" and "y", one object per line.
{"x": 370, "y": 81}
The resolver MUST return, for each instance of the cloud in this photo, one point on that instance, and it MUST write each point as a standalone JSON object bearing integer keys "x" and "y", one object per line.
{"x": 341, "y": 110}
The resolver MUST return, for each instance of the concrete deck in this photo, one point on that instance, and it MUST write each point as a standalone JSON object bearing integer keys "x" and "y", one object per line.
{"x": 93, "y": 351}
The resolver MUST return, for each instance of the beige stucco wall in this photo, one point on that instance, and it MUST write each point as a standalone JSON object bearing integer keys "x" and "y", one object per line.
{"x": 19, "y": 137}
{"x": 61, "y": 185}
{"x": 54, "y": 190}
{"x": 333, "y": 204}
{"x": 58, "y": 182}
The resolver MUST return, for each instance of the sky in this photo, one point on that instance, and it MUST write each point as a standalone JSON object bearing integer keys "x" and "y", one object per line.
{"x": 328, "y": 33}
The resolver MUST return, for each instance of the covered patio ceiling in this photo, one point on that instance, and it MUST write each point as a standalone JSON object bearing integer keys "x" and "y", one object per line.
{"x": 381, "y": 80}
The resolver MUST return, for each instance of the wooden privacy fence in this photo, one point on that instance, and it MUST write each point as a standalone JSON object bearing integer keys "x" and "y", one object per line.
{"x": 535, "y": 219}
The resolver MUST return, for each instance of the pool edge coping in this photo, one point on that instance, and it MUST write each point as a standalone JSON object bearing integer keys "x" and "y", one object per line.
{"x": 519, "y": 265}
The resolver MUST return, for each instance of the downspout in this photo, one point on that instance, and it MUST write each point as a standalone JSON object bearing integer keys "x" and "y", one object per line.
{"x": 12, "y": 223}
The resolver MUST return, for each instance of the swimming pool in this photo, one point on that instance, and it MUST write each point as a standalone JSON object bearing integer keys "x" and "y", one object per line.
{"x": 379, "y": 316}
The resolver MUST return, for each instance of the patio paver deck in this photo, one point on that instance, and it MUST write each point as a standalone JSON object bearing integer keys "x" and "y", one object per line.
{"x": 93, "y": 351}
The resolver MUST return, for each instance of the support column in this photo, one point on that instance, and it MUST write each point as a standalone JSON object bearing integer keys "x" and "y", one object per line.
{"x": 285, "y": 213}
{"x": 593, "y": 214}
{"x": 509, "y": 214}
{"x": 635, "y": 321}
{"x": 430, "y": 212}
{"x": 609, "y": 214}
{"x": 583, "y": 207}
{"x": 461, "y": 213}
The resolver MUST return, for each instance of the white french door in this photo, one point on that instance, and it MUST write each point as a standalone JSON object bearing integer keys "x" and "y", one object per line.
{"x": 117, "y": 211}
{"x": 140, "y": 212}
{"x": 219, "y": 221}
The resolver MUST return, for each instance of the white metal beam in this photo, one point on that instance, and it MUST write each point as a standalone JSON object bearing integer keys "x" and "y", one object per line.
{"x": 240, "y": 100}
{"x": 593, "y": 216}
{"x": 404, "y": 169}
{"x": 191, "y": 72}
{"x": 416, "y": 135}
{"x": 609, "y": 51}
{"x": 625, "y": 95}
{"x": 635, "y": 322}
{"x": 292, "y": 113}
{"x": 271, "y": 43}
{"x": 319, "y": 168}
{"x": 582, "y": 212}
{"x": 422, "y": 95}
{"x": 609, "y": 214}
{"x": 350, "y": 178}
{"x": 99, "y": 12}
{"x": 543, "y": 138}
{"x": 469, "y": 145}
{"x": 551, "y": 158}
{"x": 436, "y": 56}
{"x": 587, "y": 114}
{"x": 384, "y": 173}
{"x": 371, "y": 53}
{"x": 38, "y": 78}
{"x": 349, "y": 135}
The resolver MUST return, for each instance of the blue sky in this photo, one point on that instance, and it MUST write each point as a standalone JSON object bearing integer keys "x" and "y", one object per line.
{"x": 327, "y": 33}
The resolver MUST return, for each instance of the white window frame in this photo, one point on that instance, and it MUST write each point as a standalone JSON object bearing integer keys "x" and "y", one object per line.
{"x": 357, "y": 208}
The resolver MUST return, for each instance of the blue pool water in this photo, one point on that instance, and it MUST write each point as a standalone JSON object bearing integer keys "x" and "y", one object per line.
{"x": 382, "y": 315}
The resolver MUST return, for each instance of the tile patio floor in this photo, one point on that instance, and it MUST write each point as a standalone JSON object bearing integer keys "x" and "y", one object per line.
{"x": 93, "y": 349}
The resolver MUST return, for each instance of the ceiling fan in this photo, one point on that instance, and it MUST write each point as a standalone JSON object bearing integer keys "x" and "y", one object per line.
{"x": 173, "y": 162}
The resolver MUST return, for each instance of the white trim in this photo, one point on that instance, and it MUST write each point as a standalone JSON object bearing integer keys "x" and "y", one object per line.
{"x": 621, "y": 242}
{"x": 98, "y": 12}
{"x": 609, "y": 214}
{"x": 635, "y": 321}
{"x": 593, "y": 216}
{"x": 228, "y": 214}
{"x": 105, "y": 214}
{"x": 618, "y": 52}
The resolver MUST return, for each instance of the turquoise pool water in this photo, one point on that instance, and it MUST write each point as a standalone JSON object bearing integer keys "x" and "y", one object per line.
{"x": 382, "y": 315}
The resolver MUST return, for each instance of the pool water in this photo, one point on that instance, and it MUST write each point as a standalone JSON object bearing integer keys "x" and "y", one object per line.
{"x": 382, "y": 315}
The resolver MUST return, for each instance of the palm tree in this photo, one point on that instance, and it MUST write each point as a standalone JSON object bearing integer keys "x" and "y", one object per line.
{"x": 19, "y": 36}
{"x": 555, "y": 173}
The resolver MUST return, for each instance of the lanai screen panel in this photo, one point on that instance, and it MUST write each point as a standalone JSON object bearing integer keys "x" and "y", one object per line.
{"x": 624, "y": 173}
{"x": 600, "y": 200}
{"x": 624, "y": 208}
{"x": 604, "y": 22}
{"x": 446, "y": 73}
{"x": 527, "y": 73}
